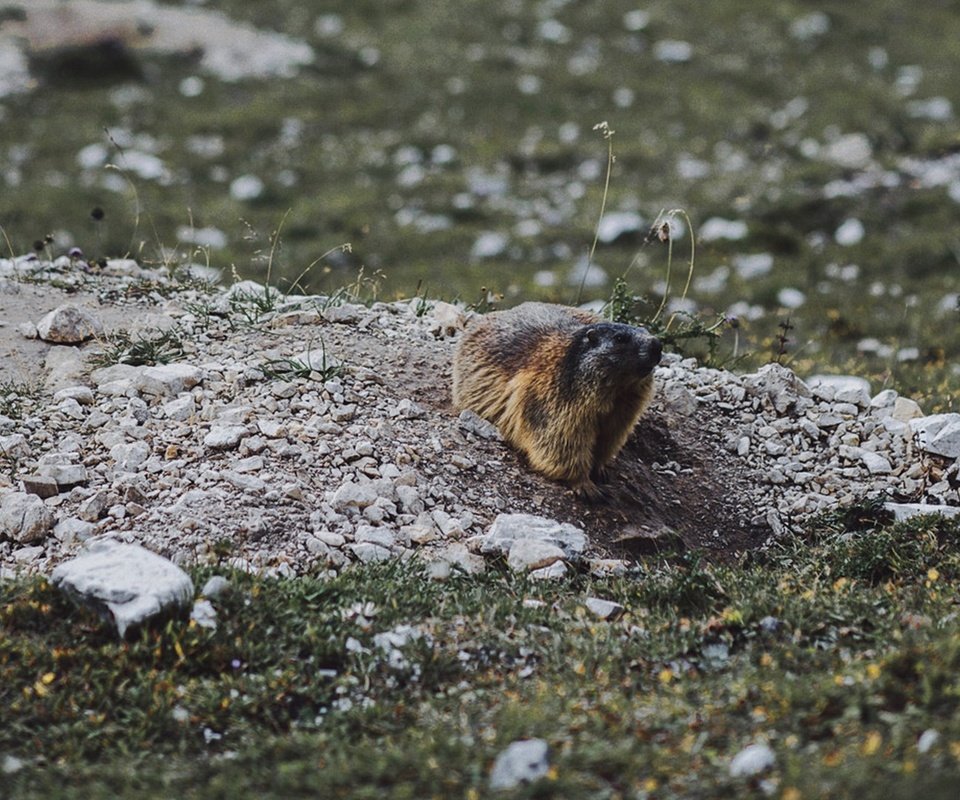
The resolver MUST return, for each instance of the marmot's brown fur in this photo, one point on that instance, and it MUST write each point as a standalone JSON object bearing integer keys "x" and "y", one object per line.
{"x": 563, "y": 386}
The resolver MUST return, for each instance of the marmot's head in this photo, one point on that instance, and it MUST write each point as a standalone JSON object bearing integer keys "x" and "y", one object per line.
{"x": 609, "y": 354}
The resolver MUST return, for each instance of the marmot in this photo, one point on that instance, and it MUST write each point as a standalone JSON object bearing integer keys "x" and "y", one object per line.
{"x": 563, "y": 386}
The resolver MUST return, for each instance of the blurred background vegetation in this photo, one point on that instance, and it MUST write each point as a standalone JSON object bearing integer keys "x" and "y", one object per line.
{"x": 812, "y": 146}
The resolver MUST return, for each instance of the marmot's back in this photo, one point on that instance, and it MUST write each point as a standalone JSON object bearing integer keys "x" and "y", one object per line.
{"x": 562, "y": 386}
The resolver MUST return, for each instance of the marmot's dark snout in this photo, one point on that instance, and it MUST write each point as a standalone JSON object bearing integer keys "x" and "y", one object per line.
{"x": 651, "y": 351}
{"x": 634, "y": 346}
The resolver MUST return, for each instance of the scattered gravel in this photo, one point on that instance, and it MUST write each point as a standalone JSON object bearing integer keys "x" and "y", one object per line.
{"x": 212, "y": 460}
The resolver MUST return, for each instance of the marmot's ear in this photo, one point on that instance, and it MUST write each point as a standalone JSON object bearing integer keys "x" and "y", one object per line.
{"x": 593, "y": 337}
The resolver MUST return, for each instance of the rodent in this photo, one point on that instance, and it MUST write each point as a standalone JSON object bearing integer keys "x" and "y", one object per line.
{"x": 562, "y": 386}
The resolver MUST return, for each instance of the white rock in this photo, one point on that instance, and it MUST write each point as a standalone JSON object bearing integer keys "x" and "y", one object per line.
{"x": 71, "y": 530}
{"x": 376, "y": 535}
{"x": 356, "y": 495}
{"x": 850, "y": 232}
{"x": 82, "y": 394}
{"x": 752, "y": 760}
{"x": 527, "y": 555}
{"x": 927, "y": 740}
{"x": 130, "y": 457}
{"x": 224, "y": 437}
{"x": 14, "y": 446}
{"x": 874, "y": 462}
{"x": 215, "y": 587}
{"x": 558, "y": 569}
{"x": 69, "y": 324}
{"x": 457, "y": 556}
{"x": 902, "y": 511}
{"x": 852, "y": 151}
{"x": 604, "y": 609}
{"x": 367, "y": 552}
{"x": 168, "y": 380}
{"x": 24, "y": 518}
{"x": 946, "y": 442}
{"x": 180, "y": 409}
{"x": 926, "y": 429}
{"x": 65, "y": 475}
{"x": 507, "y": 529}
{"x": 523, "y": 761}
{"x": 125, "y": 582}
{"x": 905, "y": 409}
{"x": 204, "y": 614}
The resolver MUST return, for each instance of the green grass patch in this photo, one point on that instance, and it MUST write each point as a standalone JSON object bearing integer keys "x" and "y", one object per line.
{"x": 838, "y": 649}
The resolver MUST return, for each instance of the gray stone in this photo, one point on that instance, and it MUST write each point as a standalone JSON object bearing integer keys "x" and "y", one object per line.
{"x": 14, "y": 446}
{"x": 70, "y": 530}
{"x": 376, "y": 535}
{"x": 558, "y": 569}
{"x": 367, "y": 552}
{"x": 354, "y": 495}
{"x": 874, "y": 462}
{"x": 510, "y": 528}
{"x": 752, "y": 760}
{"x": 523, "y": 761}
{"x": 204, "y": 614}
{"x": 527, "y": 555}
{"x": 224, "y": 437}
{"x": 778, "y": 384}
{"x": 604, "y": 609}
{"x": 66, "y": 475}
{"x": 946, "y": 443}
{"x": 24, "y": 518}
{"x": 902, "y": 511}
{"x": 94, "y": 506}
{"x": 215, "y": 587}
{"x": 847, "y": 388}
{"x": 927, "y": 428}
{"x": 905, "y": 409}
{"x": 407, "y": 409}
{"x": 69, "y": 324}
{"x": 81, "y": 394}
{"x": 124, "y": 582}
{"x": 927, "y": 740}
{"x": 458, "y": 557}
{"x": 471, "y": 422}
{"x": 167, "y": 380}
{"x": 43, "y": 486}
{"x": 180, "y": 409}
{"x": 130, "y": 457}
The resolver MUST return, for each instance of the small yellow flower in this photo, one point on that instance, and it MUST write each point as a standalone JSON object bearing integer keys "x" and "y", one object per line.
{"x": 665, "y": 676}
{"x": 650, "y": 785}
{"x": 766, "y": 660}
{"x": 791, "y": 793}
{"x": 873, "y": 671}
{"x": 580, "y": 669}
{"x": 732, "y": 616}
{"x": 48, "y": 678}
{"x": 872, "y": 743}
{"x": 933, "y": 575}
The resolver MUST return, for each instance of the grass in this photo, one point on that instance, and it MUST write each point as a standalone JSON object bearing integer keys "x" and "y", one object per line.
{"x": 17, "y": 396}
{"x": 143, "y": 348}
{"x": 838, "y": 649}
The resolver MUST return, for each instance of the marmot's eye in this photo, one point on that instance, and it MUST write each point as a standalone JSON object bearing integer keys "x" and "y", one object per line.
{"x": 592, "y": 338}
{"x": 622, "y": 338}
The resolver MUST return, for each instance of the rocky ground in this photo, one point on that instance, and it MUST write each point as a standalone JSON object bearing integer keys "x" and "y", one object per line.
{"x": 296, "y": 434}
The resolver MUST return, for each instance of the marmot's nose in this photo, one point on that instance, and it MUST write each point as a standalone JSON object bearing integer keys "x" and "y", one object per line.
{"x": 655, "y": 350}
